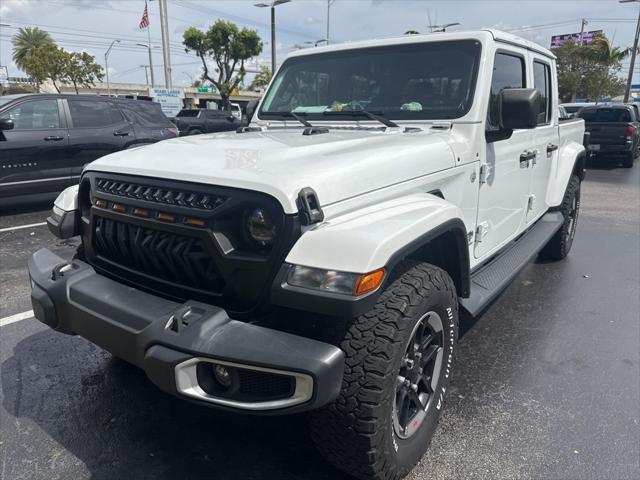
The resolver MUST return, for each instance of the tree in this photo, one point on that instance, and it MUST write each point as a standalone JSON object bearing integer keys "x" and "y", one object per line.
{"x": 262, "y": 78}
{"x": 229, "y": 46}
{"x": 589, "y": 71}
{"x": 82, "y": 70}
{"x": 25, "y": 41}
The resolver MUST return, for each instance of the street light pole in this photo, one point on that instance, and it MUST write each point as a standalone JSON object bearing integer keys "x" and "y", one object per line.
{"x": 148, "y": 47}
{"x": 146, "y": 73}
{"x": 627, "y": 91}
{"x": 106, "y": 65}
{"x": 273, "y": 6}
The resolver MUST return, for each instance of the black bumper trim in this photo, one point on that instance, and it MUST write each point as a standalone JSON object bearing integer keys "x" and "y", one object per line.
{"x": 132, "y": 325}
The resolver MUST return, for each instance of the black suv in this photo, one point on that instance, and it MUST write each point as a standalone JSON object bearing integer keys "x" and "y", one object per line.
{"x": 46, "y": 140}
{"x": 195, "y": 122}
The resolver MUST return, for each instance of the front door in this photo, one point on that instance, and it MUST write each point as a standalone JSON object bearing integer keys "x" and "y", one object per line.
{"x": 504, "y": 188}
{"x": 33, "y": 155}
{"x": 545, "y": 137}
{"x": 97, "y": 129}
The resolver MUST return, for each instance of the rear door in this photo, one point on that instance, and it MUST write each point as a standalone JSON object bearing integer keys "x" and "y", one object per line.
{"x": 504, "y": 190}
{"x": 545, "y": 136}
{"x": 34, "y": 154}
{"x": 97, "y": 128}
{"x": 219, "y": 121}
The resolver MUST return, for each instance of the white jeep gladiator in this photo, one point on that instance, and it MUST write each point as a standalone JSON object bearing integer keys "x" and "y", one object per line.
{"x": 317, "y": 259}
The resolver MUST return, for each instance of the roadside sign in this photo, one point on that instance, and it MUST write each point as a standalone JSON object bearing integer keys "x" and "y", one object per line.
{"x": 170, "y": 100}
{"x": 211, "y": 89}
{"x": 587, "y": 37}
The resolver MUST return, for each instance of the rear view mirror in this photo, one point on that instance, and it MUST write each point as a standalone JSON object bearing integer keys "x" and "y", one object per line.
{"x": 6, "y": 124}
{"x": 519, "y": 108}
{"x": 251, "y": 109}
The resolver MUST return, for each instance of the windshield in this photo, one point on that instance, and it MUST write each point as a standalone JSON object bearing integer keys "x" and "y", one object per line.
{"x": 605, "y": 115}
{"x": 422, "y": 81}
{"x": 188, "y": 113}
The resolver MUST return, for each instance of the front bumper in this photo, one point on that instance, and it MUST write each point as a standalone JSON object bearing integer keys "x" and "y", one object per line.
{"x": 175, "y": 343}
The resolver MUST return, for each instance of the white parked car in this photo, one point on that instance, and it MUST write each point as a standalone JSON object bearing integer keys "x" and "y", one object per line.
{"x": 317, "y": 259}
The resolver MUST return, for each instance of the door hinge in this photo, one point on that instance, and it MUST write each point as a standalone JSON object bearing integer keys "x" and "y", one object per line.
{"x": 481, "y": 231}
{"x": 484, "y": 173}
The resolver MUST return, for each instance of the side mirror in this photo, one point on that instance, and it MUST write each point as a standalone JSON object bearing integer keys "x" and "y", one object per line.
{"x": 519, "y": 108}
{"x": 6, "y": 124}
{"x": 250, "y": 110}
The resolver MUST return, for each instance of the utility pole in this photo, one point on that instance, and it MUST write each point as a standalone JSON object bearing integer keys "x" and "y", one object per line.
{"x": 584, "y": 22}
{"x": 329, "y": 2}
{"x": 627, "y": 91}
{"x": 164, "y": 29}
{"x": 106, "y": 65}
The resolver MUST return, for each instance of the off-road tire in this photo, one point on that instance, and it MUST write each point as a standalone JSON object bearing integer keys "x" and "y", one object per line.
{"x": 356, "y": 433}
{"x": 628, "y": 160}
{"x": 560, "y": 244}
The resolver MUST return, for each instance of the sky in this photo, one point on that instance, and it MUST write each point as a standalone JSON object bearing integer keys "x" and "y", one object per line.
{"x": 91, "y": 25}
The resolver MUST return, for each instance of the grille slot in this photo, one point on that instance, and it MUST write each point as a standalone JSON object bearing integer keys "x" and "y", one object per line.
{"x": 178, "y": 259}
{"x": 264, "y": 386}
{"x": 167, "y": 196}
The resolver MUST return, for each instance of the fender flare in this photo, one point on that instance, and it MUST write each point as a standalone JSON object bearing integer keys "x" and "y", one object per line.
{"x": 571, "y": 161}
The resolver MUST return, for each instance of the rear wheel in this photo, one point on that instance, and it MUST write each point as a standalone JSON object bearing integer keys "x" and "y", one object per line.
{"x": 560, "y": 244}
{"x": 628, "y": 160}
{"x": 399, "y": 358}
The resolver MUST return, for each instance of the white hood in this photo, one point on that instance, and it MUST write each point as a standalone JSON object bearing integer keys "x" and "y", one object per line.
{"x": 337, "y": 165}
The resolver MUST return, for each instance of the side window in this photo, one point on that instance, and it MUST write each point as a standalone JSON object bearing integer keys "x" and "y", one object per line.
{"x": 508, "y": 72}
{"x": 88, "y": 113}
{"x": 38, "y": 114}
{"x": 542, "y": 82}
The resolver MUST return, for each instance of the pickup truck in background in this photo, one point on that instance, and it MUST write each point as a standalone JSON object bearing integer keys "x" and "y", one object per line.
{"x": 195, "y": 122}
{"x": 316, "y": 260}
{"x": 614, "y": 132}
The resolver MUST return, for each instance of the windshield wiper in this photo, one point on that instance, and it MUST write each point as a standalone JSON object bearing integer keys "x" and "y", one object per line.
{"x": 310, "y": 129}
{"x": 361, "y": 111}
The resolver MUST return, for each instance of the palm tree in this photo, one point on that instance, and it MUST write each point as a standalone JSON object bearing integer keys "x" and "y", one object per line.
{"x": 601, "y": 50}
{"x": 26, "y": 40}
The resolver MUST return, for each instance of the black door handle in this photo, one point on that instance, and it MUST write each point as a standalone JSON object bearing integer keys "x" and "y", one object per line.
{"x": 551, "y": 148}
{"x": 53, "y": 138}
{"x": 529, "y": 155}
{"x": 119, "y": 133}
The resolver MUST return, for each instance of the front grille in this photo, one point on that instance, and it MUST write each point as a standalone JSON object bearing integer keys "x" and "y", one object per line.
{"x": 176, "y": 258}
{"x": 182, "y": 240}
{"x": 167, "y": 196}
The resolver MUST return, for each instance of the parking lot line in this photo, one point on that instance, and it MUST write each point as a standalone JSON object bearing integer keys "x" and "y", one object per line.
{"x": 8, "y": 229}
{"x": 16, "y": 318}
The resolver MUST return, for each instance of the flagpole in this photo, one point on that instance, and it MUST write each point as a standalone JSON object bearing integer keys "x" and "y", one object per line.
{"x": 149, "y": 37}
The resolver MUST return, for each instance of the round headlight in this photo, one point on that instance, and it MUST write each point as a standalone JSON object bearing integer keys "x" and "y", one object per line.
{"x": 260, "y": 227}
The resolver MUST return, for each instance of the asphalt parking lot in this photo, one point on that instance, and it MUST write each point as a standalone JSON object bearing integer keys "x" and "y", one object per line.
{"x": 547, "y": 382}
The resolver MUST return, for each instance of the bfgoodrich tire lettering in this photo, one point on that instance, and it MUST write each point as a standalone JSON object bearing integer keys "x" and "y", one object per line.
{"x": 356, "y": 432}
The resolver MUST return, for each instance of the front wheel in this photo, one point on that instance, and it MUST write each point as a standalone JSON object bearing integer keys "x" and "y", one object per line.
{"x": 195, "y": 131}
{"x": 399, "y": 360}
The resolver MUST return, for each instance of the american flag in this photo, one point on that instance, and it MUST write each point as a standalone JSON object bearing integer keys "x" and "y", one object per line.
{"x": 144, "y": 23}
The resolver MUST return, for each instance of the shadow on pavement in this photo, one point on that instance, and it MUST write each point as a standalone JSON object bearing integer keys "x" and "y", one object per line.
{"x": 111, "y": 418}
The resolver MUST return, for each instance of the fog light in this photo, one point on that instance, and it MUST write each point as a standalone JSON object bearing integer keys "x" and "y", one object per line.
{"x": 223, "y": 376}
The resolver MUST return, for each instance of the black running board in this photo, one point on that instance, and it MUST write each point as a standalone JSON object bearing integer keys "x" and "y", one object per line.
{"x": 488, "y": 281}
